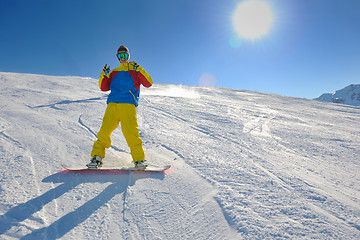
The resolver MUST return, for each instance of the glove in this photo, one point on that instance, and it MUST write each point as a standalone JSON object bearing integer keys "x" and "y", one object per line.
{"x": 135, "y": 65}
{"x": 106, "y": 69}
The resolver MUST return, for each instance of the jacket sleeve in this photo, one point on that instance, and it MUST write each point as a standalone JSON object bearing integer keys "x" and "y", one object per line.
{"x": 142, "y": 76}
{"x": 105, "y": 81}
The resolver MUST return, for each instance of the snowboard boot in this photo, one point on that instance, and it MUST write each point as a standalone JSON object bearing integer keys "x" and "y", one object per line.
{"x": 96, "y": 162}
{"x": 141, "y": 164}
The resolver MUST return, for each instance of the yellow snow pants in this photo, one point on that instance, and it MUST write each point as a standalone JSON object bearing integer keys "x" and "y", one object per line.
{"x": 125, "y": 114}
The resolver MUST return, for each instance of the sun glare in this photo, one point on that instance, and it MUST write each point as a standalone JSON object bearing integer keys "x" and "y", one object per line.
{"x": 252, "y": 19}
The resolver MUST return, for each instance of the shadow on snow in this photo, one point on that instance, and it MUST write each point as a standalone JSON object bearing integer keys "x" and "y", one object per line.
{"x": 120, "y": 182}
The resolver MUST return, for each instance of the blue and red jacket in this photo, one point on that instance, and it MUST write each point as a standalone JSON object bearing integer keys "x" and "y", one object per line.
{"x": 124, "y": 83}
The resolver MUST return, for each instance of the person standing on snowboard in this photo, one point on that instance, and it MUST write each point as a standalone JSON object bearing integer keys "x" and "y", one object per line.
{"x": 124, "y": 83}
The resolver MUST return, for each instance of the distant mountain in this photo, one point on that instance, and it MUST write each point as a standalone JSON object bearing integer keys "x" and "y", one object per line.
{"x": 349, "y": 95}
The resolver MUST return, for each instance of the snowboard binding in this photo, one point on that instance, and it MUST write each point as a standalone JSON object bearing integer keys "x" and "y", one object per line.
{"x": 95, "y": 163}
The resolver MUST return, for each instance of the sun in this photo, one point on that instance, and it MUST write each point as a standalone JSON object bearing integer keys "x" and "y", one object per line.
{"x": 252, "y": 19}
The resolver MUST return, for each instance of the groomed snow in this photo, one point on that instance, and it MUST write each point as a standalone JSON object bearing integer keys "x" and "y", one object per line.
{"x": 245, "y": 165}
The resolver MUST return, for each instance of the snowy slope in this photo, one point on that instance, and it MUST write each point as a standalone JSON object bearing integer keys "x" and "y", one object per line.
{"x": 245, "y": 165}
{"x": 349, "y": 95}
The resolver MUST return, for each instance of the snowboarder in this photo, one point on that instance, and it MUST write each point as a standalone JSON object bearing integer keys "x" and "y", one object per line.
{"x": 124, "y": 83}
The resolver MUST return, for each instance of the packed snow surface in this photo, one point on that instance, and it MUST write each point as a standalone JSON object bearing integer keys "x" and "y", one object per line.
{"x": 245, "y": 165}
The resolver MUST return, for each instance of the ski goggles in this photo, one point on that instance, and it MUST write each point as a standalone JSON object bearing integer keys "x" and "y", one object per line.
{"x": 124, "y": 55}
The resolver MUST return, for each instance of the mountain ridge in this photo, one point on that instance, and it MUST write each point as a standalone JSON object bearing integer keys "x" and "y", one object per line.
{"x": 349, "y": 95}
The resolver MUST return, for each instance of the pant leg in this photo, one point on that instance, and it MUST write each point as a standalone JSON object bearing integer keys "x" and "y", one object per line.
{"x": 129, "y": 127}
{"x": 109, "y": 124}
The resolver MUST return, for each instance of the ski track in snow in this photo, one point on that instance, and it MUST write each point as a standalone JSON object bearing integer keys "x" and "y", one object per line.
{"x": 245, "y": 165}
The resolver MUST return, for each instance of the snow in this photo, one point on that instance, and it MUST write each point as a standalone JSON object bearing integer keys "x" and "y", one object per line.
{"x": 349, "y": 95}
{"x": 245, "y": 165}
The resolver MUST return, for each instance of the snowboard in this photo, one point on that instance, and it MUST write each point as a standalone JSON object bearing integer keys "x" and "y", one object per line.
{"x": 150, "y": 168}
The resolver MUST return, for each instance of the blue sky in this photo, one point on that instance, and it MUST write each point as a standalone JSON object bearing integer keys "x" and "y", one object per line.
{"x": 312, "y": 47}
